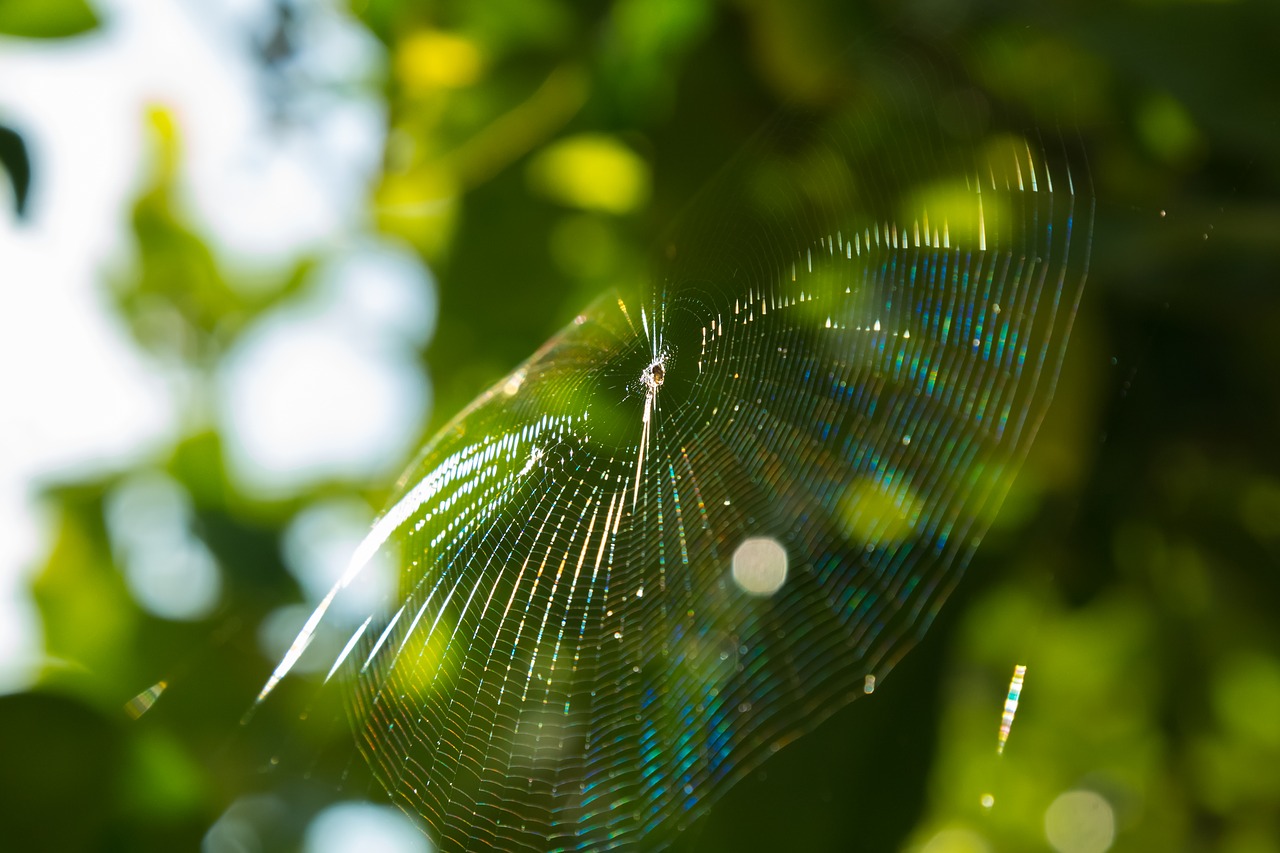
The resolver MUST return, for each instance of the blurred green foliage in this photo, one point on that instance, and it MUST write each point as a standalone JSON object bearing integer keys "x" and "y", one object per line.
{"x": 536, "y": 150}
{"x": 48, "y": 19}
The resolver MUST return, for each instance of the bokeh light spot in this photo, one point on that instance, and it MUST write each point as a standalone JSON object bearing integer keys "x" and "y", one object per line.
{"x": 249, "y": 824}
{"x": 873, "y": 513}
{"x": 431, "y": 59}
{"x": 1080, "y": 822}
{"x": 170, "y": 573}
{"x": 760, "y": 565}
{"x": 364, "y": 826}
{"x": 1167, "y": 129}
{"x": 592, "y": 172}
{"x": 1246, "y": 697}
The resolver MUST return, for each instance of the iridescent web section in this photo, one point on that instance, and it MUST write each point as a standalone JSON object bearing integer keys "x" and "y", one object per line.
{"x": 716, "y": 507}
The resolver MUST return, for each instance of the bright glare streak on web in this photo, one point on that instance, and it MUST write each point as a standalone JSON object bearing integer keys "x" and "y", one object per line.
{"x": 141, "y": 704}
{"x": 1010, "y": 706}
{"x": 317, "y": 545}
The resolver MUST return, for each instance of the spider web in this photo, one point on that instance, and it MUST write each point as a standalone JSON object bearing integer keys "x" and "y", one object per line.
{"x": 721, "y": 504}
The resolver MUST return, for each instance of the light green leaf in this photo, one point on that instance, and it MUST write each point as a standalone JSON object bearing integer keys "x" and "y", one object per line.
{"x": 47, "y": 19}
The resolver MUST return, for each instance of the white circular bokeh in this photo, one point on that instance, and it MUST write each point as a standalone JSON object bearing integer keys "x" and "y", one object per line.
{"x": 1080, "y": 822}
{"x": 760, "y": 566}
{"x": 364, "y": 826}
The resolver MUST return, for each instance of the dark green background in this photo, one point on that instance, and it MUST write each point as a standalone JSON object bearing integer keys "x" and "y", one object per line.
{"x": 1134, "y": 568}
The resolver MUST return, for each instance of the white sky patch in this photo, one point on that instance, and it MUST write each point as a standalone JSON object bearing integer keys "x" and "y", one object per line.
{"x": 77, "y": 397}
{"x": 384, "y": 292}
{"x": 302, "y": 406}
{"x": 262, "y": 185}
{"x": 265, "y": 187}
{"x": 321, "y": 389}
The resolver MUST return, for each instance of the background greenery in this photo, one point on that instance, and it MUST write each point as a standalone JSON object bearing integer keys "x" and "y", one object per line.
{"x": 537, "y": 148}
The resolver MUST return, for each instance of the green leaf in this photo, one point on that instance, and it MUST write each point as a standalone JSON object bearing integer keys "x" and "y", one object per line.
{"x": 49, "y": 19}
{"x": 15, "y": 161}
